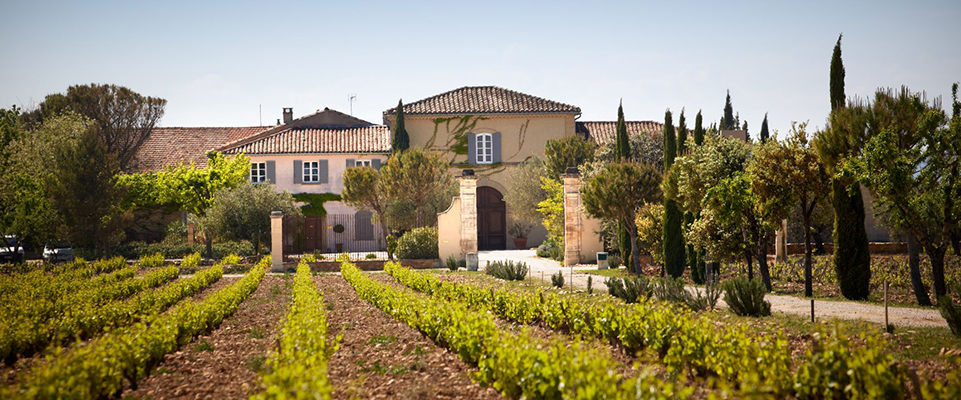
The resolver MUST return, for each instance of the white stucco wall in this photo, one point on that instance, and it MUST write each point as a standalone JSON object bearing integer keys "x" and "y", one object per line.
{"x": 336, "y": 164}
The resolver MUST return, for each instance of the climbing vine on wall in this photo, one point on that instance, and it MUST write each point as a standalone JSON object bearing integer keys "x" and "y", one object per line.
{"x": 457, "y": 129}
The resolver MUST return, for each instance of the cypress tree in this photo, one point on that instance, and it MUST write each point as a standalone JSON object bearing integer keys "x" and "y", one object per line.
{"x": 681, "y": 134}
{"x": 764, "y": 132}
{"x": 696, "y": 257}
{"x": 698, "y": 129}
{"x": 401, "y": 140}
{"x": 747, "y": 134}
{"x": 622, "y": 153}
{"x": 727, "y": 121}
{"x": 852, "y": 259}
{"x": 674, "y": 252}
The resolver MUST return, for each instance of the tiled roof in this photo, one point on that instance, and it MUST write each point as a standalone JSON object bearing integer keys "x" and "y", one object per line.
{"x": 168, "y": 146}
{"x": 368, "y": 139}
{"x": 604, "y": 131}
{"x": 485, "y": 100}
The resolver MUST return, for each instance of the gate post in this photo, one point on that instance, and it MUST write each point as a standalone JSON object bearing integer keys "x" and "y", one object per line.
{"x": 573, "y": 225}
{"x": 468, "y": 217}
{"x": 276, "y": 241}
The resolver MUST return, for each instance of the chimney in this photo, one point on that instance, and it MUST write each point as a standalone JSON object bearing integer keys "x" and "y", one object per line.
{"x": 288, "y": 115}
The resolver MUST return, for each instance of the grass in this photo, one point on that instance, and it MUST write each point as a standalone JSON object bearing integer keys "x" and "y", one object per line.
{"x": 609, "y": 273}
{"x": 257, "y": 363}
{"x": 257, "y": 333}
{"x": 382, "y": 339}
{"x": 203, "y": 345}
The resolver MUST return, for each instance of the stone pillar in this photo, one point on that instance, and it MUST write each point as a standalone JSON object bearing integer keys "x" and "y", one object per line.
{"x": 468, "y": 215}
{"x": 573, "y": 220}
{"x": 276, "y": 241}
{"x": 780, "y": 243}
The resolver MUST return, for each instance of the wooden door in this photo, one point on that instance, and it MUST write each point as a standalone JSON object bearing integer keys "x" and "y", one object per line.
{"x": 491, "y": 219}
{"x": 313, "y": 233}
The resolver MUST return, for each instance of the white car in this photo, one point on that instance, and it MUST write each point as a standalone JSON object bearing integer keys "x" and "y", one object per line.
{"x": 57, "y": 251}
{"x": 11, "y": 249}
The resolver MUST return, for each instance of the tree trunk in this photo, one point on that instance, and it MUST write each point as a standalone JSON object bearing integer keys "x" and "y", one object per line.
{"x": 762, "y": 265}
{"x": 635, "y": 251}
{"x": 936, "y": 254}
{"x": 914, "y": 264}
{"x": 750, "y": 267}
{"x": 956, "y": 241}
{"x": 806, "y": 219}
{"x": 210, "y": 246}
{"x": 818, "y": 242}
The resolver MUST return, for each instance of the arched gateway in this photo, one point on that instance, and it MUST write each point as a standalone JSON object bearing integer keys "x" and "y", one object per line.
{"x": 491, "y": 219}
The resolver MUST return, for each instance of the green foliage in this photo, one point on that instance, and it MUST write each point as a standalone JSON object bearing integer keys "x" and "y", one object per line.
{"x": 650, "y": 231}
{"x": 837, "y": 77}
{"x": 569, "y": 152}
{"x": 765, "y": 134}
{"x": 418, "y": 244}
{"x": 417, "y": 184}
{"x": 401, "y": 139}
{"x": 507, "y": 270}
{"x": 105, "y": 365}
{"x": 727, "y": 120}
{"x": 552, "y": 207}
{"x": 746, "y": 297}
{"x": 552, "y": 248}
{"x": 951, "y": 312}
{"x": 698, "y": 129}
{"x": 230, "y": 259}
{"x": 631, "y": 289}
{"x": 557, "y": 279}
{"x": 151, "y": 261}
{"x": 623, "y": 146}
{"x": 298, "y": 367}
{"x": 315, "y": 202}
{"x": 451, "y": 263}
{"x": 590, "y": 284}
{"x": 524, "y": 191}
{"x": 835, "y": 370}
{"x": 681, "y": 135}
{"x": 174, "y": 250}
{"x": 243, "y": 212}
{"x": 674, "y": 249}
{"x": 191, "y": 260}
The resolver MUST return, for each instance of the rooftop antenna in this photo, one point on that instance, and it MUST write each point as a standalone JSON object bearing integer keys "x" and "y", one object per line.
{"x": 351, "y": 98}
{"x": 260, "y": 113}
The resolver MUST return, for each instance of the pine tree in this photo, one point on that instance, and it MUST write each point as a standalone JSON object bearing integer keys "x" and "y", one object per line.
{"x": 623, "y": 152}
{"x": 727, "y": 121}
{"x": 401, "y": 140}
{"x": 674, "y": 251}
{"x": 852, "y": 260}
{"x": 764, "y": 132}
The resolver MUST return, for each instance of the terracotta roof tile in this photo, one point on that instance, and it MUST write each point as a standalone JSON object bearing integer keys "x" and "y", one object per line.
{"x": 604, "y": 131}
{"x": 485, "y": 100}
{"x": 367, "y": 139}
{"x": 168, "y": 146}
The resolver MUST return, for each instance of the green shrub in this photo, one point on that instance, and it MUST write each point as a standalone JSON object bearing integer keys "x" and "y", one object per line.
{"x": 134, "y": 250}
{"x": 614, "y": 260}
{"x": 552, "y": 248}
{"x": 370, "y": 256}
{"x": 192, "y": 260}
{"x": 951, "y": 312}
{"x": 309, "y": 258}
{"x": 152, "y": 261}
{"x": 231, "y": 259}
{"x": 746, "y": 297}
{"x": 418, "y": 244}
{"x": 672, "y": 290}
{"x": 558, "y": 279}
{"x": 391, "y": 246}
{"x": 451, "y": 263}
{"x": 629, "y": 289}
{"x": 507, "y": 270}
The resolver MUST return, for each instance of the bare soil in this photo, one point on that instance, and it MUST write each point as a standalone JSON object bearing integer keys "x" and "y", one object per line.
{"x": 381, "y": 358}
{"x": 226, "y": 363}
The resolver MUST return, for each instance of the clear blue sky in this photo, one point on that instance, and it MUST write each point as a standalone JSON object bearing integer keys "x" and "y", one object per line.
{"x": 217, "y": 62}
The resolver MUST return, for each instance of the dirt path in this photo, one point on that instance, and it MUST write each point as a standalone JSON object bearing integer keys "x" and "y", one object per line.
{"x": 381, "y": 358}
{"x": 226, "y": 363}
{"x": 823, "y": 309}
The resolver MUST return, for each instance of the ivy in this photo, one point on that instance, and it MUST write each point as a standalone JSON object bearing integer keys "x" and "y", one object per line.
{"x": 315, "y": 203}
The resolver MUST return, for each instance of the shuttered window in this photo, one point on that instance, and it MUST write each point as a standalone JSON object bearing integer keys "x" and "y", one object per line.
{"x": 485, "y": 148}
{"x": 258, "y": 172}
{"x": 311, "y": 172}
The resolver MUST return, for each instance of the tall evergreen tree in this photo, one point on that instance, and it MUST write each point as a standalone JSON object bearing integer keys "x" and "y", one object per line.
{"x": 401, "y": 139}
{"x": 674, "y": 251}
{"x": 852, "y": 261}
{"x": 764, "y": 132}
{"x": 698, "y": 129}
{"x": 727, "y": 121}
{"x": 747, "y": 133}
{"x": 681, "y": 134}
{"x": 698, "y": 264}
{"x": 623, "y": 153}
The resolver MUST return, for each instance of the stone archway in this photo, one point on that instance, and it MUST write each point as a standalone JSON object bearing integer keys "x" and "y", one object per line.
{"x": 491, "y": 219}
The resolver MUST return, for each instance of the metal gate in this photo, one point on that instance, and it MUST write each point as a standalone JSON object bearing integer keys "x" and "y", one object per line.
{"x": 334, "y": 234}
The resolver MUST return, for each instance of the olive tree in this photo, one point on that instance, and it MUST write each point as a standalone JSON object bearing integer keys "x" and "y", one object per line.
{"x": 617, "y": 191}
{"x": 243, "y": 212}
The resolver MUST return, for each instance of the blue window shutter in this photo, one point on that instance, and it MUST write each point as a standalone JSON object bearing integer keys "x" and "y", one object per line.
{"x": 375, "y": 163}
{"x": 298, "y": 171}
{"x": 471, "y": 148}
{"x": 323, "y": 171}
{"x": 271, "y": 172}
{"x": 496, "y": 144}
{"x": 350, "y": 162}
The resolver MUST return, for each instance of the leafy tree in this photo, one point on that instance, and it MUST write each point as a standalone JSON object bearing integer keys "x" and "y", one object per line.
{"x": 571, "y": 151}
{"x": 524, "y": 191}
{"x": 674, "y": 252}
{"x": 363, "y": 190}
{"x": 243, "y": 212}
{"x": 419, "y": 178}
{"x": 764, "y": 130}
{"x": 401, "y": 139}
{"x": 552, "y": 208}
{"x": 912, "y": 166}
{"x": 787, "y": 174}
{"x": 650, "y": 233}
{"x": 124, "y": 118}
{"x": 842, "y": 139}
{"x": 84, "y": 191}
{"x": 616, "y": 193}
{"x": 727, "y": 121}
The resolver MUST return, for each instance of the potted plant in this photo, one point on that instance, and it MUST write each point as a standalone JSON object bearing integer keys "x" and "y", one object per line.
{"x": 519, "y": 231}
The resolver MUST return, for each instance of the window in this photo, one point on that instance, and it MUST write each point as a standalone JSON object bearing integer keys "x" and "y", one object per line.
{"x": 362, "y": 163}
{"x": 485, "y": 148}
{"x": 258, "y": 172}
{"x": 311, "y": 172}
